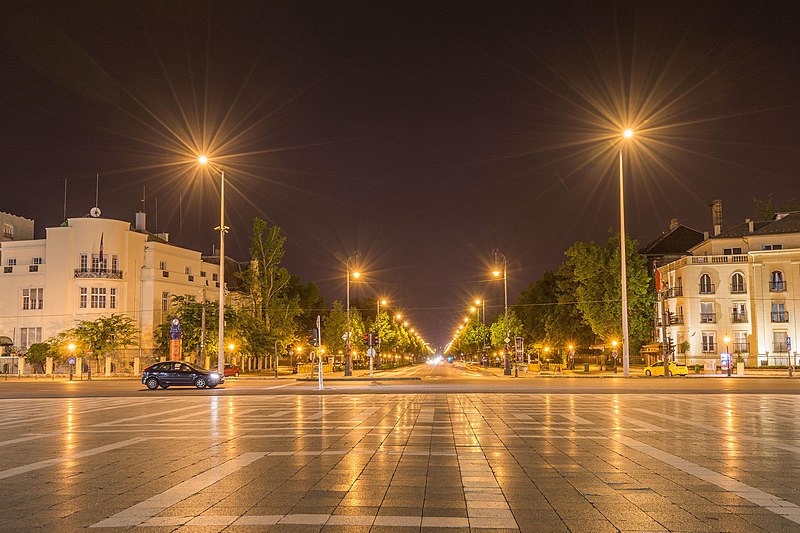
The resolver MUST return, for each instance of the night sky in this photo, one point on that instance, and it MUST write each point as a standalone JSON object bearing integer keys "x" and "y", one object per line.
{"x": 423, "y": 134}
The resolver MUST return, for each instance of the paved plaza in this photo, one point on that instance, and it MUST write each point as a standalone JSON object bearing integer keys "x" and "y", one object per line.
{"x": 513, "y": 461}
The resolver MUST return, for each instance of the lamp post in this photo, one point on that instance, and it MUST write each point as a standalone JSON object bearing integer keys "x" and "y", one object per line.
{"x": 203, "y": 160}
{"x": 482, "y": 303}
{"x": 348, "y": 360}
{"x": 727, "y": 341}
{"x": 499, "y": 260}
{"x": 627, "y": 134}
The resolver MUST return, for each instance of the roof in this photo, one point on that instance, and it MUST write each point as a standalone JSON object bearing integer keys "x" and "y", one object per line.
{"x": 782, "y": 223}
{"x": 678, "y": 240}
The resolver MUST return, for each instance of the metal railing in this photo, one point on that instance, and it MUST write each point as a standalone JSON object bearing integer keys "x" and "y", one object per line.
{"x": 740, "y": 347}
{"x": 738, "y": 318}
{"x": 738, "y": 288}
{"x": 709, "y": 348}
{"x": 707, "y": 288}
{"x": 672, "y": 292}
{"x": 98, "y": 273}
{"x": 708, "y": 318}
{"x": 780, "y": 347}
{"x": 779, "y": 316}
{"x": 777, "y": 286}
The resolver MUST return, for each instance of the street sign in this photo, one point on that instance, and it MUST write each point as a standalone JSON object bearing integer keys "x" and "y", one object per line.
{"x": 344, "y": 337}
{"x": 371, "y": 352}
{"x": 788, "y": 344}
{"x": 71, "y": 361}
{"x": 507, "y": 340}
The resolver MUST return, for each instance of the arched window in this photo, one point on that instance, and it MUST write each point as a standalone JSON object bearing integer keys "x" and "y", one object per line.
{"x": 776, "y": 283}
{"x": 706, "y": 287}
{"x": 737, "y": 283}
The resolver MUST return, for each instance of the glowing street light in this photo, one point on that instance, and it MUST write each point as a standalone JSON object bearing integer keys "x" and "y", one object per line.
{"x": 500, "y": 260}
{"x": 203, "y": 160}
{"x": 727, "y": 341}
{"x": 627, "y": 134}
{"x": 348, "y": 358}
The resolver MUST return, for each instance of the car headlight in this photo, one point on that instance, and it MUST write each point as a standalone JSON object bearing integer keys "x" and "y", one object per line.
{"x": 214, "y": 375}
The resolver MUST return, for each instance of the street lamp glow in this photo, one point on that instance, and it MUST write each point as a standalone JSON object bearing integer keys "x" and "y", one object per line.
{"x": 614, "y": 344}
{"x": 727, "y": 340}
{"x": 477, "y": 302}
{"x": 71, "y": 347}
{"x": 356, "y": 275}
{"x": 231, "y": 347}
{"x": 299, "y": 349}
{"x": 571, "y": 347}
{"x": 628, "y": 133}
{"x": 384, "y": 301}
{"x": 398, "y": 316}
{"x": 202, "y": 160}
{"x": 496, "y": 273}
{"x": 473, "y": 309}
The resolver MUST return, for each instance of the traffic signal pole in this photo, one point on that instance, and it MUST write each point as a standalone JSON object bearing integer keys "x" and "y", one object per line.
{"x": 664, "y": 321}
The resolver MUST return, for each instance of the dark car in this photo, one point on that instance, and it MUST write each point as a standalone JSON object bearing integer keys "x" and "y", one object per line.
{"x": 179, "y": 373}
{"x": 231, "y": 370}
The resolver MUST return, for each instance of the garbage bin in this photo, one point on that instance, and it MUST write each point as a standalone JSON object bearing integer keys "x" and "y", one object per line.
{"x": 585, "y": 367}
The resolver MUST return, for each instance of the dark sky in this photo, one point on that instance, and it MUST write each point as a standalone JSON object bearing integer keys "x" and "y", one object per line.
{"x": 423, "y": 134}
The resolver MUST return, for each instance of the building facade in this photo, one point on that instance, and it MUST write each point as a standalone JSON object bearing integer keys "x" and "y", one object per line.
{"x": 742, "y": 285}
{"x": 93, "y": 267}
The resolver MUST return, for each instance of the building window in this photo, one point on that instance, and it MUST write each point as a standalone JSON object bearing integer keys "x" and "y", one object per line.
{"x": 214, "y": 276}
{"x": 779, "y": 312}
{"x": 772, "y": 247}
{"x": 706, "y": 287}
{"x": 8, "y": 231}
{"x": 740, "y": 342}
{"x": 114, "y": 263}
{"x": 737, "y": 283}
{"x": 84, "y": 262}
{"x": 739, "y": 313}
{"x": 162, "y": 265}
{"x": 32, "y": 298}
{"x": 112, "y": 298}
{"x": 709, "y": 342}
{"x": 779, "y": 343}
{"x": 83, "y": 298}
{"x": 732, "y": 251}
{"x": 28, "y": 336}
{"x": 164, "y": 274}
{"x": 188, "y": 271}
{"x": 202, "y": 273}
{"x": 12, "y": 262}
{"x": 97, "y": 266}
{"x": 38, "y": 261}
{"x": 707, "y": 315}
{"x": 165, "y": 301}
{"x": 776, "y": 283}
{"x": 98, "y": 298}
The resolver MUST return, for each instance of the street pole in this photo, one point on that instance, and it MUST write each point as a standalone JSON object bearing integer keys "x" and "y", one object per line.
{"x": 319, "y": 343}
{"x": 221, "y": 334}
{"x": 348, "y": 360}
{"x": 624, "y": 271}
{"x": 507, "y": 359}
{"x": 664, "y": 322}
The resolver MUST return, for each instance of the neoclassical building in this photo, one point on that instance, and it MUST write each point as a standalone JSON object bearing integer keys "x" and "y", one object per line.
{"x": 742, "y": 284}
{"x": 92, "y": 267}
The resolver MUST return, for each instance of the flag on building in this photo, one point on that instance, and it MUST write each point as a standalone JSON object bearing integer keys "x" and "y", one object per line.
{"x": 101, "y": 264}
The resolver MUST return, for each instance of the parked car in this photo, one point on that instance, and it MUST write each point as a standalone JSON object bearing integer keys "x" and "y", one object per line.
{"x": 178, "y": 373}
{"x": 675, "y": 369}
{"x": 231, "y": 370}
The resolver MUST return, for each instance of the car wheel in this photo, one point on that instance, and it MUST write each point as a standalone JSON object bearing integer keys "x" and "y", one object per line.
{"x": 236, "y": 374}
{"x": 200, "y": 383}
{"x": 647, "y": 373}
{"x": 152, "y": 383}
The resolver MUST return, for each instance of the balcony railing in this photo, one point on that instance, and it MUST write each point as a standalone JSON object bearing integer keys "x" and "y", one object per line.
{"x": 675, "y": 319}
{"x": 672, "y": 292}
{"x": 98, "y": 273}
{"x": 777, "y": 286}
{"x": 708, "y": 318}
{"x": 737, "y": 288}
{"x": 707, "y": 288}
{"x": 780, "y": 347}
{"x": 707, "y": 259}
{"x": 738, "y": 317}
{"x": 779, "y": 316}
{"x": 740, "y": 347}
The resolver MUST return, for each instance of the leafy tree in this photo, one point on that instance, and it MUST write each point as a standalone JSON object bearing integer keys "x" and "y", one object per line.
{"x": 104, "y": 335}
{"x": 498, "y": 329}
{"x": 37, "y": 354}
{"x": 595, "y": 273}
{"x": 765, "y": 209}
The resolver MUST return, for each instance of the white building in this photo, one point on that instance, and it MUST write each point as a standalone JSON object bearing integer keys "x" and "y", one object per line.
{"x": 743, "y": 284}
{"x": 15, "y": 228}
{"x": 48, "y": 285}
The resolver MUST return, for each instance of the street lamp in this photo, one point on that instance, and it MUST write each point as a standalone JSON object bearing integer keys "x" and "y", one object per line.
{"x": 482, "y": 303}
{"x": 627, "y": 134}
{"x": 500, "y": 260}
{"x": 727, "y": 341}
{"x": 203, "y": 160}
{"x": 348, "y": 360}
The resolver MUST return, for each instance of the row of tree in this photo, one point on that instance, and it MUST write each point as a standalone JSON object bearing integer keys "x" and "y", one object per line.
{"x": 579, "y": 304}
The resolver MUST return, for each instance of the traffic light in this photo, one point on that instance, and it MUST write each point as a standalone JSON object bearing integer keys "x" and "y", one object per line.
{"x": 313, "y": 337}
{"x": 366, "y": 339}
{"x": 377, "y": 342}
{"x": 371, "y": 339}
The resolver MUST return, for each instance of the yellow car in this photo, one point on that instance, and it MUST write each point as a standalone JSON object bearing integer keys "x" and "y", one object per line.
{"x": 675, "y": 369}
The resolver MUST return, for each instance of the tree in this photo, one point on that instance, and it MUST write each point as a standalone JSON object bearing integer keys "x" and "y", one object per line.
{"x": 595, "y": 274}
{"x": 104, "y": 335}
{"x": 37, "y": 354}
{"x": 498, "y": 329}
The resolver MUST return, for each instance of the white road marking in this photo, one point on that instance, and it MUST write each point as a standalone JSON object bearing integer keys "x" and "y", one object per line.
{"x": 279, "y": 386}
{"x": 777, "y": 505}
{"x": 25, "y": 439}
{"x": 49, "y": 462}
{"x": 144, "y": 511}
{"x": 149, "y": 415}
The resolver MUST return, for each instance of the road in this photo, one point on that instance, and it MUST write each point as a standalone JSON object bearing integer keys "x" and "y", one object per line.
{"x": 435, "y": 454}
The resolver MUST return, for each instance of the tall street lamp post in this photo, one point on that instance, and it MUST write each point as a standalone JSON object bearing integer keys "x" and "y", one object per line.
{"x": 348, "y": 359}
{"x": 203, "y": 160}
{"x": 627, "y": 134}
{"x": 501, "y": 260}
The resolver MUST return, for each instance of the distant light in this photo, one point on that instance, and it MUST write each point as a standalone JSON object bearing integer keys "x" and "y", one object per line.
{"x": 202, "y": 160}
{"x": 496, "y": 273}
{"x": 356, "y": 275}
{"x": 231, "y": 346}
{"x": 384, "y": 302}
{"x": 628, "y": 133}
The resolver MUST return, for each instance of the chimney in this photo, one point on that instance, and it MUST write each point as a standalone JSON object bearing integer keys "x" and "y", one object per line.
{"x": 750, "y": 225}
{"x": 141, "y": 221}
{"x": 164, "y": 236}
{"x": 716, "y": 216}
{"x": 673, "y": 224}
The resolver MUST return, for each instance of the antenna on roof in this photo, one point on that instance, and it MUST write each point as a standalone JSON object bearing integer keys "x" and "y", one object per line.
{"x": 143, "y": 196}
{"x": 65, "y": 198}
{"x": 97, "y": 191}
{"x": 156, "y": 228}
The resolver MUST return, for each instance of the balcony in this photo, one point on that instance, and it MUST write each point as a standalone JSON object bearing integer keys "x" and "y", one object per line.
{"x": 780, "y": 347}
{"x": 738, "y": 317}
{"x": 673, "y": 292}
{"x": 675, "y": 319}
{"x": 737, "y": 288}
{"x": 707, "y": 288}
{"x": 708, "y": 318}
{"x": 777, "y": 286}
{"x": 102, "y": 273}
{"x": 779, "y": 316}
{"x": 740, "y": 347}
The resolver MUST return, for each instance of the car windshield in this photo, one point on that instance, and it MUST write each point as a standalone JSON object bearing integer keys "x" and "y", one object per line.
{"x": 195, "y": 367}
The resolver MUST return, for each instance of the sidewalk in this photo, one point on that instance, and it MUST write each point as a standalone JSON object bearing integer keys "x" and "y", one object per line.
{"x": 595, "y": 372}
